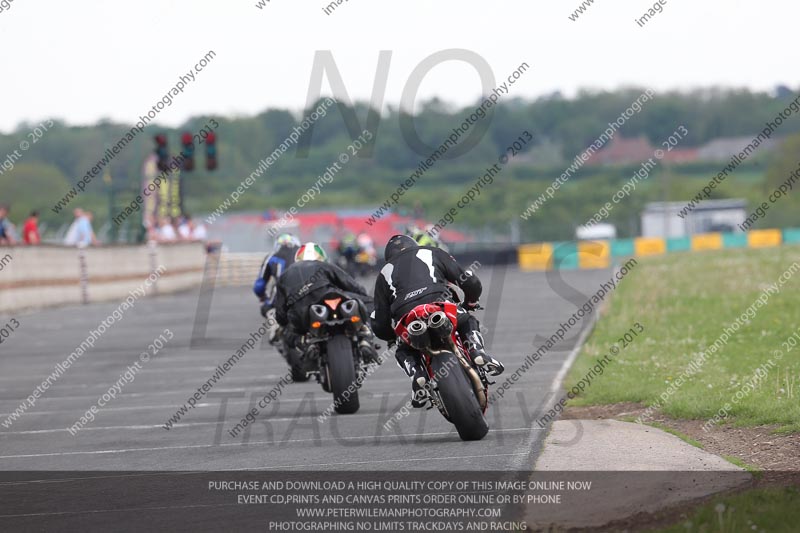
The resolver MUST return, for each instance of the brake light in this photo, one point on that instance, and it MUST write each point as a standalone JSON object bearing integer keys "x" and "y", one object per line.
{"x": 355, "y": 319}
{"x": 333, "y": 304}
{"x": 316, "y": 325}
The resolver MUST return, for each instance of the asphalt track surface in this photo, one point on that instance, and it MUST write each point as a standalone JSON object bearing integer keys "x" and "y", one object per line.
{"x": 128, "y": 434}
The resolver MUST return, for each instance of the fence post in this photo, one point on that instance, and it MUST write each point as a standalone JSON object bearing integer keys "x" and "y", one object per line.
{"x": 152, "y": 249}
{"x": 83, "y": 273}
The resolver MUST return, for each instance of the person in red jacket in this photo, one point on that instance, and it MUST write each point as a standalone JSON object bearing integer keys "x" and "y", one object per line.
{"x": 30, "y": 230}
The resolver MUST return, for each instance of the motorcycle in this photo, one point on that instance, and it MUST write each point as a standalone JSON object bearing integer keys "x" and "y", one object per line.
{"x": 456, "y": 386}
{"x": 359, "y": 263}
{"x": 366, "y": 262}
{"x": 338, "y": 365}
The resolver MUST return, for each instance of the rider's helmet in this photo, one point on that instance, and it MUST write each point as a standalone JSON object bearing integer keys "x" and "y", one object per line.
{"x": 288, "y": 240}
{"x": 311, "y": 251}
{"x": 397, "y": 244}
{"x": 364, "y": 240}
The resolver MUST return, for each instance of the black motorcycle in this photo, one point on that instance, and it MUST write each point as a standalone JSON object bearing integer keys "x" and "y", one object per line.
{"x": 338, "y": 364}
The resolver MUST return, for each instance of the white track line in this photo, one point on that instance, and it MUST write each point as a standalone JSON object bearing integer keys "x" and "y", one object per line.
{"x": 249, "y": 444}
{"x": 156, "y": 426}
{"x": 555, "y": 387}
{"x": 459, "y": 458}
{"x": 178, "y": 394}
{"x": 174, "y": 406}
{"x": 129, "y": 510}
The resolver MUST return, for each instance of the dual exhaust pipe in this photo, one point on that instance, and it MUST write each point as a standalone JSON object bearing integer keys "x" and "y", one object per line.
{"x": 437, "y": 328}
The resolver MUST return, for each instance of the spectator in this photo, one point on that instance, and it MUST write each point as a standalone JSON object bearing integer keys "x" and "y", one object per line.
{"x": 6, "y": 231}
{"x": 185, "y": 228}
{"x": 166, "y": 231}
{"x": 71, "y": 238}
{"x": 191, "y": 231}
{"x": 89, "y": 219}
{"x": 30, "y": 230}
{"x": 199, "y": 231}
{"x": 80, "y": 232}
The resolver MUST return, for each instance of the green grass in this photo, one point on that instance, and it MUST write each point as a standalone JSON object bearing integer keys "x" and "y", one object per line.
{"x": 685, "y": 438}
{"x": 684, "y": 301}
{"x": 767, "y": 510}
{"x": 741, "y": 464}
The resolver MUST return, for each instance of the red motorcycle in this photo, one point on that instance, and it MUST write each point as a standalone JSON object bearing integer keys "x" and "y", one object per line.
{"x": 456, "y": 386}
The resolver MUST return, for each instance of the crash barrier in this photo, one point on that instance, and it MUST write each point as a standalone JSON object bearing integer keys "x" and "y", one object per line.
{"x": 600, "y": 254}
{"x": 235, "y": 269}
{"x": 48, "y": 275}
{"x": 241, "y": 268}
{"x": 485, "y": 254}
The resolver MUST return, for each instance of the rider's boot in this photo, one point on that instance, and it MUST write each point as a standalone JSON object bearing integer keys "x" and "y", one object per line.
{"x": 367, "y": 349}
{"x": 475, "y": 346}
{"x": 265, "y": 309}
{"x": 275, "y": 334}
{"x": 274, "y": 330}
{"x": 419, "y": 378}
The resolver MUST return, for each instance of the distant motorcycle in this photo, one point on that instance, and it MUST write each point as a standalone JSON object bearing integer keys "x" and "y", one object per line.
{"x": 457, "y": 387}
{"x": 334, "y": 324}
{"x": 362, "y": 263}
{"x": 366, "y": 262}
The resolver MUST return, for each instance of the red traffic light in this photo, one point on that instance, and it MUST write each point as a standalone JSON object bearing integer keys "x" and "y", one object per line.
{"x": 161, "y": 139}
{"x": 211, "y": 138}
{"x": 186, "y": 138}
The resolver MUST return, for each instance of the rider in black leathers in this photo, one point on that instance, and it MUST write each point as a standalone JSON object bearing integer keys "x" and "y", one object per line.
{"x": 416, "y": 275}
{"x": 305, "y": 283}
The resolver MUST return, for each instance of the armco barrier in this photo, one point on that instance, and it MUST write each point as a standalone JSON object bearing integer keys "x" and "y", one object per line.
{"x": 238, "y": 268}
{"x": 241, "y": 268}
{"x": 485, "y": 254}
{"x": 601, "y": 253}
{"x": 43, "y": 276}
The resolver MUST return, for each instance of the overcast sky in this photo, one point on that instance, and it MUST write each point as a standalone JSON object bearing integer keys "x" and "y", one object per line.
{"x": 84, "y": 60}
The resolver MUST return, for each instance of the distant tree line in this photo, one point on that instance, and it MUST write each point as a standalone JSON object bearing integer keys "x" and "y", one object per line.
{"x": 562, "y": 128}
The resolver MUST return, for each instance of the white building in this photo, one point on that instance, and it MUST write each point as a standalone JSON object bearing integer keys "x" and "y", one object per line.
{"x": 596, "y": 232}
{"x": 660, "y": 219}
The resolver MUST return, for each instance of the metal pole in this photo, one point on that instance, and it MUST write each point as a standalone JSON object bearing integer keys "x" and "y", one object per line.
{"x": 152, "y": 248}
{"x": 83, "y": 273}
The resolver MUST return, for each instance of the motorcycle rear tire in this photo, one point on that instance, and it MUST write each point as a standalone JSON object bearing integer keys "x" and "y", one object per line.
{"x": 459, "y": 397}
{"x": 342, "y": 372}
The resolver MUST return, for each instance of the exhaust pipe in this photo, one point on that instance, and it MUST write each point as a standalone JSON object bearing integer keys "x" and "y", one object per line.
{"x": 440, "y": 328}
{"x": 439, "y": 321}
{"x": 418, "y": 334}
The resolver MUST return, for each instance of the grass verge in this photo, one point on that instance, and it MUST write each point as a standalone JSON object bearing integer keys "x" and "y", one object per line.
{"x": 685, "y": 438}
{"x": 759, "y": 510}
{"x": 684, "y": 302}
